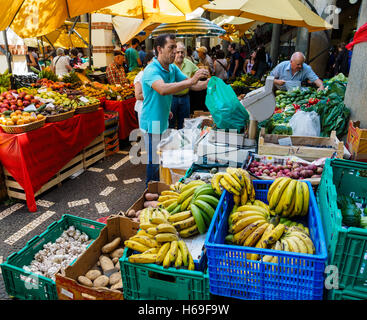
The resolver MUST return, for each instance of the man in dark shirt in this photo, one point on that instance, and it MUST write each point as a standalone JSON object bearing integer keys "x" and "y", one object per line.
{"x": 236, "y": 63}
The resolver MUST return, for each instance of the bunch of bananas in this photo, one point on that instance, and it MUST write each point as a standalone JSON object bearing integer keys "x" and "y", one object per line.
{"x": 288, "y": 197}
{"x": 160, "y": 243}
{"x": 191, "y": 208}
{"x": 32, "y": 91}
{"x": 5, "y": 83}
{"x": 236, "y": 181}
{"x": 290, "y": 223}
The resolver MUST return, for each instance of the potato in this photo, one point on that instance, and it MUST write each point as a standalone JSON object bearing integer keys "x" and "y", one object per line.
{"x": 109, "y": 247}
{"x": 85, "y": 281}
{"x": 106, "y": 263}
{"x": 115, "y": 260}
{"x": 117, "y": 265}
{"x": 137, "y": 214}
{"x": 131, "y": 213}
{"x": 153, "y": 204}
{"x": 118, "y": 285}
{"x": 118, "y": 253}
{"x": 115, "y": 278}
{"x": 151, "y": 196}
{"x": 101, "y": 281}
{"x": 93, "y": 274}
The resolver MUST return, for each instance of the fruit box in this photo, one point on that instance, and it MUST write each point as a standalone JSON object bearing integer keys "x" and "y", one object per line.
{"x": 296, "y": 276}
{"x": 158, "y": 187}
{"x": 68, "y": 288}
{"x": 347, "y": 246}
{"x": 357, "y": 141}
{"x": 27, "y": 285}
{"x": 307, "y": 148}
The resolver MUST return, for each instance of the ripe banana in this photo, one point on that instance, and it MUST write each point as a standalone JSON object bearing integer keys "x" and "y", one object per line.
{"x": 165, "y": 237}
{"x": 278, "y": 247}
{"x": 143, "y": 258}
{"x": 260, "y": 243}
{"x": 144, "y": 240}
{"x": 275, "y": 234}
{"x": 152, "y": 231}
{"x": 298, "y": 205}
{"x": 152, "y": 251}
{"x": 191, "y": 262}
{"x": 255, "y": 236}
{"x": 306, "y": 198}
{"x": 167, "y": 197}
{"x": 232, "y": 181}
{"x": 240, "y": 237}
{"x": 243, "y": 223}
{"x": 186, "y": 194}
{"x": 290, "y": 192}
{"x": 166, "y": 228}
{"x": 158, "y": 217}
{"x": 223, "y": 182}
{"x": 186, "y": 202}
{"x": 306, "y": 239}
{"x": 134, "y": 245}
{"x": 184, "y": 251}
{"x": 198, "y": 218}
{"x": 293, "y": 246}
{"x": 167, "y": 260}
{"x": 169, "y": 193}
{"x": 194, "y": 183}
{"x": 237, "y": 175}
{"x": 234, "y": 218}
{"x": 146, "y": 226}
{"x": 188, "y": 232}
{"x": 178, "y": 262}
{"x": 290, "y": 210}
{"x": 278, "y": 193}
{"x": 273, "y": 186}
{"x": 253, "y": 208}
{"x": 162, "y": 252}
{"x": 179, "y": 216}
{"x": 244, "y": 196}
{"x": 184, "y": 224}
{"x": 215, "y": 183}
{"x": 173, "y": 251}
{"x": 280, "y": 206}
{"x": 301, "y": 245}
{"x": 168, "y": 202}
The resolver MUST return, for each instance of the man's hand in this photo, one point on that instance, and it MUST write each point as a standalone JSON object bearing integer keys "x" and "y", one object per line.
{"x": 201, "y": 73}
{"x": 279, "y": 82}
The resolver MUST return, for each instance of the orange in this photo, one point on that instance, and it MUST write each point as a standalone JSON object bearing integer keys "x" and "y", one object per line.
{"x": 40, "y": 116}
{"x": 13, "y": 114}
{"x": 26, "y": 121}
{"x": 9, "y": 123}
{"x": 18, "y": 112}
{"x": 32, "y": 119}
{"x": 20, "y": 122}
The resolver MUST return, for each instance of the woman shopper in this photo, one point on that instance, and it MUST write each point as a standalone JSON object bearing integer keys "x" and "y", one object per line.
{"x": 75, "y": 59}
{"x": 249, "y": 63}
{"x": 260, "y": 66}
{"x": 220, "y": 66}
{"x": 61, "y": 63}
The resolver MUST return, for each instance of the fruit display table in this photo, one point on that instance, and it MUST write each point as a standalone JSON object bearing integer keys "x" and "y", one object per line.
{"x": 127, "y": 118}
{"x": 34, "y": 157}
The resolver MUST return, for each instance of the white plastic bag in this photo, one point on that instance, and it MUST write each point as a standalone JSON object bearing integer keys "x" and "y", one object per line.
{"x": 305, "y": 124}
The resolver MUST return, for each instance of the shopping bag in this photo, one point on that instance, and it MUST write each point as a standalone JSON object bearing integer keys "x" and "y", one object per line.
{"x": 224, "y": 106}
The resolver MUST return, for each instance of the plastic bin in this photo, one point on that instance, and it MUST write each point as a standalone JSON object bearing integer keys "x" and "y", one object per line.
{"x": 27, "y": 285}
{"x": 153, "y": 282}
{"x": 347, "y": 246}
{"x": 346, "y": 295}
{"x": 296, "y": 276}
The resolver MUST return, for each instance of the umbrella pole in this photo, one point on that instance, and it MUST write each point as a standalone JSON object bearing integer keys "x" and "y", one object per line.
{"x": 90, "y": 39}
{"x": 7, "y": 50}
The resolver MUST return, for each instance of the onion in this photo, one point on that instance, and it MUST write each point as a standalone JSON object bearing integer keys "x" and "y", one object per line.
{"x": 266, "y": 171}
{"x": 319, "y": 170}
{"x": 316, "y": 176}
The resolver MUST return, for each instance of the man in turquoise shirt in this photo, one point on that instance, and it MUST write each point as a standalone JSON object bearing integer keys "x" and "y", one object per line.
{"x": 132, "y": 55}
{"x": 162, "y": 79}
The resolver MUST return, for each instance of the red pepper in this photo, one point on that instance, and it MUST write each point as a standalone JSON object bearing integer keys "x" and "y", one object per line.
{"x": 296, "y": 106}
{"x": 313, "y": 101}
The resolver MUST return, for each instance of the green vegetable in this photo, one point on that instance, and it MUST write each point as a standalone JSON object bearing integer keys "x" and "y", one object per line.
{"x": 350, "y": 212}
{"x": 363, "y": 223}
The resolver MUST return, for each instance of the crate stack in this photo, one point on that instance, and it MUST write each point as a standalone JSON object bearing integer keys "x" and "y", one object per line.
{"x": 111, "y": 133}
{"x": 346, "y": 246}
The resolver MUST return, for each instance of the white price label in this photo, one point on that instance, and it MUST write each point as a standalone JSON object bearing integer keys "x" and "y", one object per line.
{"x": 15, "y": 95}
{"x": 30, "y": 107}
{"x": 84, "y": 99}
{"x": 285, "y": 141}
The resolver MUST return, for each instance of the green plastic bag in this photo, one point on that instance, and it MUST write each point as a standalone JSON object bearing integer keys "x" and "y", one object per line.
{"x": 223, "y": 104}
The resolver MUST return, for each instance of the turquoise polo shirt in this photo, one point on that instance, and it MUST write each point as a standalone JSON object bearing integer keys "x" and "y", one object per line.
{"x": 156, "y": 108}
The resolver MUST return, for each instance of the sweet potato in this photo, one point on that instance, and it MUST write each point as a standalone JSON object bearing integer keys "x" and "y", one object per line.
{"x": 106, "y": 263}
{"x": 93, "y": 274}
{"x": 101, "y": 281}
{"x": 85, "y": 281}
{"x": 115, "y": 278}
{"x": 131, "y": 213}
{"x": 153, "y": 204}
{"x": 151, "y": 196}
{"x": 109, "y": 247}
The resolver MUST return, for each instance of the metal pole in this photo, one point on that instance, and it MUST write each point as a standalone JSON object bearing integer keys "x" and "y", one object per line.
{"x": 8, "y": 58}
{"x": 90, "y": 39}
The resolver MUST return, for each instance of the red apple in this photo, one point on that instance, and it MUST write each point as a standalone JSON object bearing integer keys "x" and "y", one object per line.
{"x": 34, "y": 101}
{"x": 13, "y": 107}
{"x": 6, "y": 101}
{"x": 26, "y": 103}
{"x": 4, "y": 94}
{"x": 28, "y": 97}
{"x": 19, "y": 103}
{"x": 22, "y": 94}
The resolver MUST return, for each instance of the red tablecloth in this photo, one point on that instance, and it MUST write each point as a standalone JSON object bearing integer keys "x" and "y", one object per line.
{"x": 127, "y": 118}
{"x": 34, "y": 157}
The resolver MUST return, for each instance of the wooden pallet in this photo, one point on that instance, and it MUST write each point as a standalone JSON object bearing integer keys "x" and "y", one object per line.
{"x": 88, "y": 156}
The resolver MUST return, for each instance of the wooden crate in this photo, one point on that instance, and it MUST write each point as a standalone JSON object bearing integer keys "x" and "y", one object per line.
{"x": 88, "y": 156}
{"x": 307, "y": 148}
{"x": 357, "y": 141}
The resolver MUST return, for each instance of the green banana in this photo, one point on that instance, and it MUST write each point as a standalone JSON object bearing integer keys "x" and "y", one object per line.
{"x": 198, "y": 218}
{"x": 206, "y": 207}
{"x": 213, "y": 201}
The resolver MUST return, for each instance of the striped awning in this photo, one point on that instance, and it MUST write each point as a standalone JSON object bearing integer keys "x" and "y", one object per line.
{"x": 199, "y": 27}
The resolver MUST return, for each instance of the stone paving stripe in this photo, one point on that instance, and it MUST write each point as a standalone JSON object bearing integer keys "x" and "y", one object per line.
{"x": 102, "y": 207}
{"x": 44, "y": 203}
{"x": 10, "y": 210}
{"x": 95, "y": 169}
{"x": 123, "y": 152}
{"x": 111, "y": 177}
{"x": 120, "y": 163}
{"x": 29, "y": 227}
{"x": 107, "y": 191}
{"x": 132, "y": 180}
{"x": 1, "y": 261}
{"x": 77, "y": 203}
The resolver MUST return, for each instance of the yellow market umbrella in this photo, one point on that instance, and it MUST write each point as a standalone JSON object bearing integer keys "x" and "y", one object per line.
{"x": 156, "y": 10}
{"x": 236, "y": 23}
{"x": 194, "y": 27}
{"x": 291, "y": 12}
{"x": 32, "y": 18}
{"x": 61, "y": 37}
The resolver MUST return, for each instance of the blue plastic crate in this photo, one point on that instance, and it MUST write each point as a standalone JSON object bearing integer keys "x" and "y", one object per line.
{"x": 296, "y": 276}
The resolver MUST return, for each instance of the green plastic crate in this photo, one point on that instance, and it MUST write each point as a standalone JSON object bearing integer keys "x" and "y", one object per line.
{"x": 27, "y": 285}
{"x": 153, "y": 282}
{"x": 347, "y": 246}
{"x": 347, "y": 295}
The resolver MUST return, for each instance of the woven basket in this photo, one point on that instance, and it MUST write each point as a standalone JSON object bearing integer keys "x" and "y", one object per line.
{"x": 24, "y": 127}
{"x": 60, "y": 117}
{"x": 87, "y": 109}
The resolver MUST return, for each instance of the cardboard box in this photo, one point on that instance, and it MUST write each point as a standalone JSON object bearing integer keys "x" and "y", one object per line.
{"x": 68, "y": 288}
{"x": 357, "y": 141}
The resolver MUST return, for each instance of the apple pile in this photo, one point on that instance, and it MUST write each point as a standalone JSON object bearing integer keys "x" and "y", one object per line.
{"x": 294, "y": 170}
{"x": 12, "y": 100}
